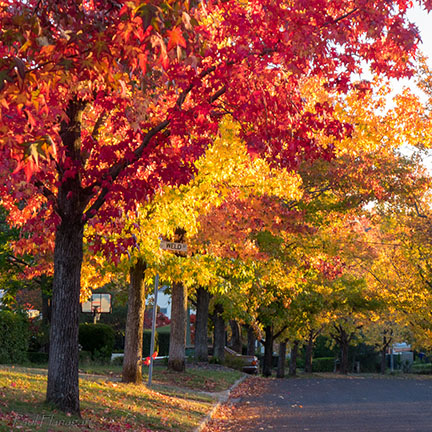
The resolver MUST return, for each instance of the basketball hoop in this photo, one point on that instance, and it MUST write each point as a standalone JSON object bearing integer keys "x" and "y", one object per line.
{"x": 98, "y": 304}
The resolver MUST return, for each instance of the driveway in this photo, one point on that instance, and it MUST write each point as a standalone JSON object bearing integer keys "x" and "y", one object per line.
{"x": 335, "y": 404}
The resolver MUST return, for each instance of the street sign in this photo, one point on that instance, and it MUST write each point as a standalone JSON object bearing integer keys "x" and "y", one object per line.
{"x": 172, "y": 246}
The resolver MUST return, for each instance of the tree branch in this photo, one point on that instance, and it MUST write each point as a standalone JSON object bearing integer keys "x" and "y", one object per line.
{"x": 117, "y": 168}
{"x": 280, "y": 331}
{"x": 120, "y": 166}
{"x": 342, "y": 17}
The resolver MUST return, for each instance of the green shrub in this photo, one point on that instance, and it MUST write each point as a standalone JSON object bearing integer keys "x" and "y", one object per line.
{"x": 39, "y": 336}
{"x": 14, "y": 337}
{"x": 300, "y": 361}
{"x": 162, "y": 339}
{"x": 214, "y": 360}
{"x": 37, "y": 357}
{"x": 421, "y": 368}
{"x": 368, "y": 357}
{"x": 118, "y": 361}
{"x": 98, "y": 339}
{"x": 85, "y": 358}
{"x": 164, "y": 343}
{"x": 233, "y": 362}
{"x": 323, "y": 347}
{"x": 103, "y": 355}
{"x": 323, "y": 364}
{"x": 146, "y": 343}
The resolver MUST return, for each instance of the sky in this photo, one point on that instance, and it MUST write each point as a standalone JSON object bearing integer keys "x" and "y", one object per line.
{"x": 423, "y": 20}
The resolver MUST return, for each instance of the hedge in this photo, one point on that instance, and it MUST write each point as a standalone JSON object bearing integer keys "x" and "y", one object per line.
{"x": 146, "y": 343}
{"x": 37, "y": 357}
{"x": 14, "y": 337}
{"x": 421, "y": 368}
{"x": 323, "y": 364}
{"x": 161, "y": 342}
{"x": 98, "y": 339}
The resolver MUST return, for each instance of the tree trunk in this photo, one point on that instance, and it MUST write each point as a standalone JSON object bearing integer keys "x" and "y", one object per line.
{"x": 309, "y": 352}
{"x": 46, "y": 308}
{"x": 281, "y": 360}
{"x": 176, "y": 360}
{"x": 236, "y": 341}
{"x": 132, "y": 361}
{"x": 251, "y": 341}
{"x": 46, "y": 285}
{"x": 268, "y": 351}
{"x": 344, "y": 344}
{"x": 71, "y": 200}
{"x": 383, "y": 361}
{"x": 386, "y": 343}
{"x": 201, "y": 325}
{"x": 62, "y": 386}
{"x": 293, "y": 359}
{"x": 219, "y": 333}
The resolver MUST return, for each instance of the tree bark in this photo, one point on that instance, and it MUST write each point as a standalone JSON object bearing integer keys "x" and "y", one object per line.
{"x": 236, "y": 341}
{"x": 201, "y": 325}
{"x": 293, "y": 359}
{"x": 132, "y": 361}
{"x": 219, "y": 333}
{"x": 251, "y": 341}
{"x": 268, "y": 351}
{"x": 344, "y": 355}
{"x": 383, "y": 360}
{"x": 71, "y": 200}
{"x": 385, "y": 345}
{"x": 46, "y": 309}
{"x": 281, "y": 360}
{"x": 62, "y": 386}
{"x": 46, "y": 285}
{"x": 176, "y": 359}
{"x": 309, "y": 352}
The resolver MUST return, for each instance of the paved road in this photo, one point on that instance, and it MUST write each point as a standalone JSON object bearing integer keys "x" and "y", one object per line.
{"x": 351, "y": 404}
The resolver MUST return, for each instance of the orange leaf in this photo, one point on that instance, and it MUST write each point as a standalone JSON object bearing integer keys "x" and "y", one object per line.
{"x": 175, "y": 38}
{"x": 142, "y": 60}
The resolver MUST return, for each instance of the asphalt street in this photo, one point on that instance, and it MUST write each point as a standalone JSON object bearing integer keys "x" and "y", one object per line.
{"x": 345, "y": 404}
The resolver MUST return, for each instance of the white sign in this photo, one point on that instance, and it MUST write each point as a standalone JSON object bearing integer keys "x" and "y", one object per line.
{"x": 172, "y": 246}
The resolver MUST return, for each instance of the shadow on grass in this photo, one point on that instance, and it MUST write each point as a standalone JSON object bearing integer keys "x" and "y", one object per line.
{"x": 105, "y": 405}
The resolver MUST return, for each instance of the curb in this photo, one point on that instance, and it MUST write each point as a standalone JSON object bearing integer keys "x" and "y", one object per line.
{"x": 221, "y": 399}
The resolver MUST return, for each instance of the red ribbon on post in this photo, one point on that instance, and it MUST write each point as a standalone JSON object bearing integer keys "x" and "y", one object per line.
{"x": 146, "y": 361}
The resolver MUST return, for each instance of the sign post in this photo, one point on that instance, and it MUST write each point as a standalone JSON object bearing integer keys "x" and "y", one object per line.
{"x": 173, "y": 247}
{"x": 152, "y": 342}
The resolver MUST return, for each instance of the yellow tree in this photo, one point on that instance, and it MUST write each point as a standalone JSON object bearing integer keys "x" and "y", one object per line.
{"x": 137, "y": 234}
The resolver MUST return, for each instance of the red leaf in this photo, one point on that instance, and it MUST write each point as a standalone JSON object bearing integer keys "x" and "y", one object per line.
{"x": 175, "y": 38}
{"x": 142, "y": 60}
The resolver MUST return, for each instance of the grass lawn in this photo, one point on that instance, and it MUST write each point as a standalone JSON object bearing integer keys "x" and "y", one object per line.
{"x": 174, "y": 403}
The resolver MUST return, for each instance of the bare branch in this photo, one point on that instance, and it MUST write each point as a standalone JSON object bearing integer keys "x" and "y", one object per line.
{"x": 417, "y": 209}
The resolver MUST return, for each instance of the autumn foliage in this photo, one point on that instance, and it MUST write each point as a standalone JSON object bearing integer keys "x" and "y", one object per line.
{"x": 102, "y": 103}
